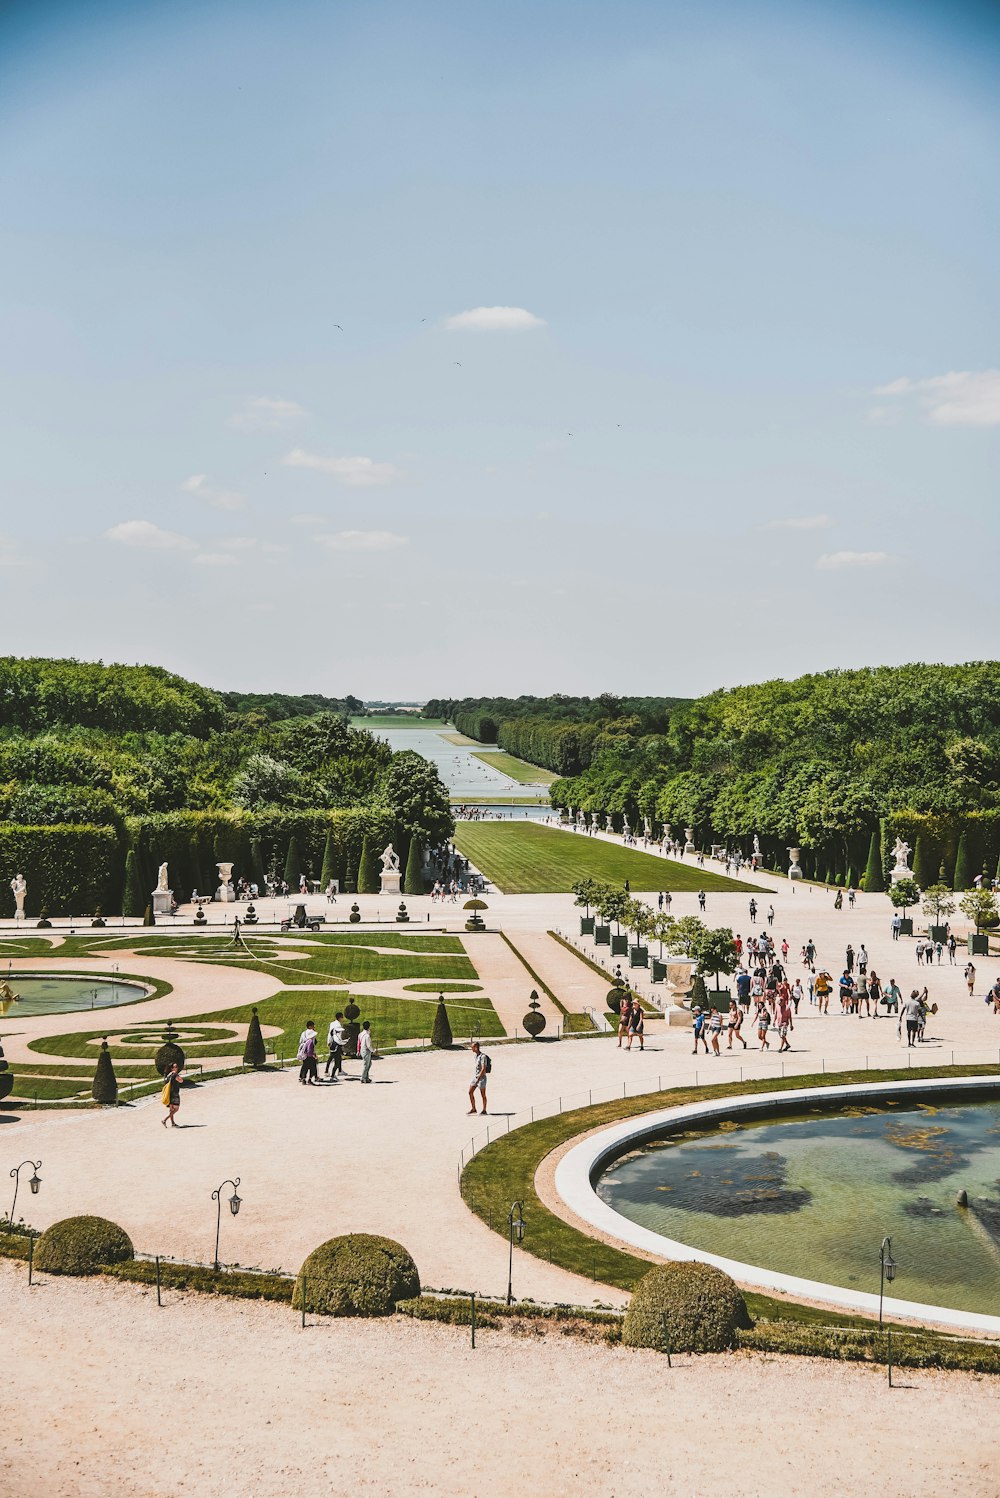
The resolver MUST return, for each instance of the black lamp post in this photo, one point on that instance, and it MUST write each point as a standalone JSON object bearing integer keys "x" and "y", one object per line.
{"x": 235, "y": 1203}
{"x": 888, "y": 1267}
{"x": 515, "y": 1229}
{"x": 34, "y": 1182}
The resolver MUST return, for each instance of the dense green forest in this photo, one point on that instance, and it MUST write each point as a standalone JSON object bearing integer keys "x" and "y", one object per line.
{"x": 277, "y": 705}
{"x": 827, "y": 762}
{"x": 562, "y": 733}
{"x": 96, "y": 760}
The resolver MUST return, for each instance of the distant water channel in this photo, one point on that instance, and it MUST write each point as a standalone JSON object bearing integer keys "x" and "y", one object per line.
{"x": 814, "y": 1194}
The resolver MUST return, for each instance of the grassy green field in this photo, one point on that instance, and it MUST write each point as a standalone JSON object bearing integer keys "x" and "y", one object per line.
{"x": 517, "y": 769}
{"x": 397, "y": 720}
{"x": 499, "y": 800}
{"x": 527, "y": 858}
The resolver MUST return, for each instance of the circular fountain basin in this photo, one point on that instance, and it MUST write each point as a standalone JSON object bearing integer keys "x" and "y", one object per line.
{"x": 67, "y": 993}
{"x": 774, "y": 1187}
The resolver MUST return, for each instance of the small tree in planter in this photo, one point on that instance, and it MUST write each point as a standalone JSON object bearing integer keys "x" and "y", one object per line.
{"x": 534, "y": 1020}
{"x": 904, "y": 894}
{"x": 715, "y": 953}
{"x": 938, "y": 905}
{"x": 475, "y": 921}
{"x": 980, "y": 907}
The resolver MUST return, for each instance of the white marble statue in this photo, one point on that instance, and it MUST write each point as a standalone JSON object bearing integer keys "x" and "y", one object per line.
{"x": 756, "y": 845}
{"x": 20, "y": 887}
{"x": 901, "y": 870}
{"x": 161, "y": 881}
{"x": 390, "y": 860}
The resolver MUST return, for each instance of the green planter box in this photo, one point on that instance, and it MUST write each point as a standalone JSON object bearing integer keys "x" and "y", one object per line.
{"x": 638, "y": 957}
{"x": 906, "y": 926}
{"x": 658, "y": 971}
{"x": 586, "y": 925}
{"x": 718, "y": 998}
{"x": 979, "y": 944}
{"x": 619, "y": 946}
{"x": 937, "y": 933}
{"x": 602, "y": 936}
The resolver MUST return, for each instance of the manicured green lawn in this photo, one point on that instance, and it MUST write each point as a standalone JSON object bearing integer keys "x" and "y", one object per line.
{"x": 517, "y": 769}
{"x": 528, "y": 858}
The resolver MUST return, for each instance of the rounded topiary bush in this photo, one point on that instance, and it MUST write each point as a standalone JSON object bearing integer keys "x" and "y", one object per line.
{"x": 82, "y": 1245}
{"x": 692, "y": 1307}
{"x": 360, "y": 1274}
{"x": 169, "y": 1051}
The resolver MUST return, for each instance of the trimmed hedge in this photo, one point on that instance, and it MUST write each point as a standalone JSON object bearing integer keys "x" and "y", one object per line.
{"x": 691, "y": 1307}
{"x": 70, "y": 868}
{"x": 82, "y": 1245}
{"x": 241, "y": 1283}
{"x": 359, "y": 1274}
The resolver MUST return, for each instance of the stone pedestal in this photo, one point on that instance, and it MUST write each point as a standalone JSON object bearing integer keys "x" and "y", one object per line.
{"x": 163, "y": 901}
{"x": 390, "y": 880}
{"x": 900, "y": 872}
{"x": 794, "y": 872}
{"x": 225, "y": 894}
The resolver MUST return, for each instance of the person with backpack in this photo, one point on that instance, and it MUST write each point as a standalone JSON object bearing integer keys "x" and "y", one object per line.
{"x": 306, "y": 1054}
{"x": 483, "y": 1067}
{"x": 170, "y": 1097}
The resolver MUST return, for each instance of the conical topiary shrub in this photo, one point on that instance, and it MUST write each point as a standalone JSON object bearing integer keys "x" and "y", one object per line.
{"x": 104, "y": 1088}
{"x": 368, "y": 880}
{"x": 874, "y": 877}
{"x": 330, "y": 869}
{"x": 698, "y": 997}
{"x": 169, "y": 1051}
{"x": 534, "y": 1020}
{"x": 148, "y": 918}
{"x": 413, "y": 879}
{"x": 293, "y": 863}
{"x": 963, "y": 865}
{"x": 134, "y": 897}
{"x": 257, "y": 864}
{"x": 254, "y": 1052}
{"x": 922, "y": 871}
{"x": 441, "y": 1035}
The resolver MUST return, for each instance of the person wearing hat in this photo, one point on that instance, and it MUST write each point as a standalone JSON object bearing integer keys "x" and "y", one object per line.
{"x": 700, "y": 1019}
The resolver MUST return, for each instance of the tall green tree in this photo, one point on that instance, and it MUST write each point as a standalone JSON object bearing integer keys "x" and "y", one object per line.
{"x": 368, "y": 879}
{"x": 134, "y": 897}
{"x": 293, "y": 863}
{"x": 964, "y": 874}
{"x": 874, "y": 877}
{"x": 922, "y": 871}
{"x": 331, "y": 864}
{"x": 413, "y": 878}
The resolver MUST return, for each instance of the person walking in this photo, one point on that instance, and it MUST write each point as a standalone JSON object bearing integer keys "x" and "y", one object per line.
{"x": 701, "y": 899}
{"x": 849, "y": 958}
{"x": 715, "y": 1030}
{"x": 733, "y": 1024}
{"x": 365, "y": 1050}
{"x": 891, "y": 997}
{"x": 919, "y": 950}
{"x": 897, "y": 926}
{"x": 970, "y": 978}
{"x": 753, "y": 909}
{"x": 913, "y": 1014}
{"x": 636, "y": 1025}
{"x": 770, "y": 915}
{"x": 308, "y": 1070}
{"x": 797, "y": 994}
{"x": 862, "y": 960}
{"x": 952, "y": 947}
{"x": 700, "y": 1020}
{"x": 783, "y": 1016}
{"x": 763, "y": 1024}
{"x": 171, "y": 1094}
{"x": 624, "y": 1011}
{"x": 482, "y": 1066}
{"x": 336, "y": 1038}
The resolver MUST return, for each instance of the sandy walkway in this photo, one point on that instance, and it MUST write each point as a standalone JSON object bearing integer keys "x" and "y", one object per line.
{"x": 114, "y": 1398}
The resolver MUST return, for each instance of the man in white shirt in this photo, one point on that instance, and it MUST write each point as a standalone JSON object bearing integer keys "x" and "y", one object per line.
{"x": 335, "y": 1038}
{"x": 365, "y": 1048}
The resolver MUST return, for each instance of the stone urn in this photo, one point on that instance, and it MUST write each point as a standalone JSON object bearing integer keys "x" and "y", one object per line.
{"x": 225, "y": 892}
{"x": 794, "y": 872}
{"x": 689, "y": 840}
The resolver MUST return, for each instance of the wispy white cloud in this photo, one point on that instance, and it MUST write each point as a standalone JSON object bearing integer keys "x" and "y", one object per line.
{"x": 961, "y": 398}
{"x": 215, "y": 559}
{"x": 799, "y": 523}
{"x": 146, "y": 536}
{"x": 265, "y": 414}
{"x": 364, "y": 540}
{"x": 308, "y": 518}
{"x": 219, "y": 499}
{"x": 355, "y": 473}
{"x": 833, "y": 561}
{"x": 494, "y": 320}
{"x": 10, "y": 553}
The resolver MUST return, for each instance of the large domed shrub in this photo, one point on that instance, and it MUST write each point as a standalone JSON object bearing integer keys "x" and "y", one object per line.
{"x": 169, "y": 1051}
{"x": 359, "y": 1274}
{"x": 695, "y": 1306}
{"x": 82, "y": 1245}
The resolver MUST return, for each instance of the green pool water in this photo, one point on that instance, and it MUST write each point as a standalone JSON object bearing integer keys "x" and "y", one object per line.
{"x": 45, "y": 993}
{"x": 815, "y": 1195}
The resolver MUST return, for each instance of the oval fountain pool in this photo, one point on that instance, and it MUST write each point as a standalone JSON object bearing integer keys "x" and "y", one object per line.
{"x": 66, "y": 993}
{"x": 796, "y": 1191}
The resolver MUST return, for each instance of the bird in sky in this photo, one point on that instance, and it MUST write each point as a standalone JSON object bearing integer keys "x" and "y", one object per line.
{"x": 456, "y": 362}
{"x": 337, "y": 325}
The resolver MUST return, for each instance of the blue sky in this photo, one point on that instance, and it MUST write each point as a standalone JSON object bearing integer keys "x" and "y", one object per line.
{"x": 737, "y": 417}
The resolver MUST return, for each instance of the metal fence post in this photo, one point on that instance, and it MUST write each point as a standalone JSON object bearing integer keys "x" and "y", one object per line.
{"x": 473, "y": 1299}
{"x": 31, "y": 1257}
{"x": 159, "y": 1302}
{"x": 888, "y": 1347}
{"x": 305, "y": 1291}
